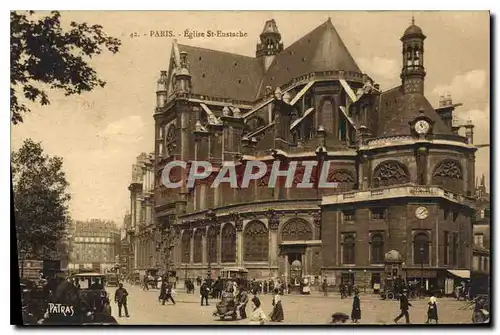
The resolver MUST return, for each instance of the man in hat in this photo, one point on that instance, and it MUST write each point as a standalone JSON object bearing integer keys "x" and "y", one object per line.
{"x": 404, "y": 306}
{"x": 242, "y": 299}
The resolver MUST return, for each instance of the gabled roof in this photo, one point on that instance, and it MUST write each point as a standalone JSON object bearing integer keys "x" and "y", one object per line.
{"x": 398, "y": 109}
{"x": 223, "y": 74}
{"x": 320, "y": 50}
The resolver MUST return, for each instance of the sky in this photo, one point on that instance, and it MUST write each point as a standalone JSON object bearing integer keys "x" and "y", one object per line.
{"x": 99, "y": 134}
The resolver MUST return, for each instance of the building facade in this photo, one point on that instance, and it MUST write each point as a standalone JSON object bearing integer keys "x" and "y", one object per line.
{"x": 481, "y": 244}
{"x": 404, "y": 175}
{"x": 140, "y": 226}
{"x": 92, "y": 242}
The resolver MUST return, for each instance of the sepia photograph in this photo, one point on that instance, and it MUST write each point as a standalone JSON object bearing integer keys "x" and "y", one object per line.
{"x": 236, "y": 168}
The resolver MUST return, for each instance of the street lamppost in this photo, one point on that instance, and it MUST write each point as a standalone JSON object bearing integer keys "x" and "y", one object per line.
{"x": 211, "y": 218}
{"x": 365, "y": 281}
{"x": 422, "y": 271}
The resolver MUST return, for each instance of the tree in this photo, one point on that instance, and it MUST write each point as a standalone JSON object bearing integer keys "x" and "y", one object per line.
{"x": 40, "y": 200}
{"x": 44, "y": 55}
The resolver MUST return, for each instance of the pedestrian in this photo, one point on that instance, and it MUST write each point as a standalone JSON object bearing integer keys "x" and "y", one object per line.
{"x": 265, "y": 286}
{"x": 258, "y": 316}
{"x": 121, "y": 295}
{"x": 163, "y": 291}
{"x": 356, "y": 308}
{"x": 432, "y": 312}
{"x": 145, "y": 283}
{"x": 204, "y": 290}
{"x": 242, "y": 299}
{"x": 404, "y": 306}
{"x": 169, "y": 294}
{"x": 324, "y": 286}
{"x": 277, "y": 315}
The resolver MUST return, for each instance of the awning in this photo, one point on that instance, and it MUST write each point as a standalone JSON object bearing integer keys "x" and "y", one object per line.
{"x": 343, "y": 109}
{"x": 299, "y": 120}
{"x": 460, "y": 273}
{"x": 348, "y": 90}
{"x": 302, "y": 92}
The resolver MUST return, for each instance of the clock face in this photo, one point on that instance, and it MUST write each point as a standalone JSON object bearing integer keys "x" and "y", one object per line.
{"x": 421, "y": 213}
{"x": 422, "y": 127}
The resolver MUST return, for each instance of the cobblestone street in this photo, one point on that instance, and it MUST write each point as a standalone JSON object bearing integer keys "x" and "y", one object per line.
{"x": 316, "y": 309}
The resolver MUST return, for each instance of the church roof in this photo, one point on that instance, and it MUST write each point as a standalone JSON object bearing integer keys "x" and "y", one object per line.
{"x": 320, "y": 50}
{"x": 398, "y": 109}
{"x": 413, "y": 30}
{"x": 223, "y": 74}
{"x": 270, "y": 28}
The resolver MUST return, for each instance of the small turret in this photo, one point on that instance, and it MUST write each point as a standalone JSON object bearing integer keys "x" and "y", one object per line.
{"x": 270, "y": 43}
{"x": 161, "y": 90}
{"x": 413, "y": 72}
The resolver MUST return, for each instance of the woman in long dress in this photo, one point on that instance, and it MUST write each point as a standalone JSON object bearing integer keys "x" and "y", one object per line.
{"x": 432, "y": 312}
{"x": 356, "y": 308}
{"x": 277, "y": 314}
{"x": 258, "y": 317}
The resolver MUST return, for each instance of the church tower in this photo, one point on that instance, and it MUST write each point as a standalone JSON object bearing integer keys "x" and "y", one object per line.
{"x": 413, "y": 73}
{"x": 270, "y": 44}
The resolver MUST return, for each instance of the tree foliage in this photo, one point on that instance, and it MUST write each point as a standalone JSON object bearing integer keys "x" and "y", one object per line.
{"x": 40, "y": 200}
{"x": 43, "y": 53}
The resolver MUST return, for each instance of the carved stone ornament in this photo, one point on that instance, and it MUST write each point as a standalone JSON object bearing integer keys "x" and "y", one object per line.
{"x": 273, "y": 219}
{"x": 238, "y": 221}
{"x": 297, "y": 229}
{"x": 341, "y": 176}
{"x": 390, "y": 173}
{"x": 450, "y": 169}
{"x": 317, "y": 219}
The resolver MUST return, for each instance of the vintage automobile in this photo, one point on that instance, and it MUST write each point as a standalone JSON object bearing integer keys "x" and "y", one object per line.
{"x": 92, "y": 289}
{"x": 112, "y": 279}
{"x": 226, "y": 307}
{"x": 235, "y": 274}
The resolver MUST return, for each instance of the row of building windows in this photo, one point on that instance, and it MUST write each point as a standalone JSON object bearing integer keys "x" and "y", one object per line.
{"x": 480, "y": 263}
{"x": 93, "y": 239}
{"x": 421, "y": 245}
{"x": 380, "y": 213}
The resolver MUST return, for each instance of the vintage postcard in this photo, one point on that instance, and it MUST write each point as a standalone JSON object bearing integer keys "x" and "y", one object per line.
{"x": 236, "y": 168}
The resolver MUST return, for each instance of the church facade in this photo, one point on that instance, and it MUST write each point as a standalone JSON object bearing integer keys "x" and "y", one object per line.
{"x": 404, "y": 176}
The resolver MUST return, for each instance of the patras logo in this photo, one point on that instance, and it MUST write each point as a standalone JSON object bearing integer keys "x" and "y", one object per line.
{"x": 61, "y": 309}
{"x": 309, "y": 174}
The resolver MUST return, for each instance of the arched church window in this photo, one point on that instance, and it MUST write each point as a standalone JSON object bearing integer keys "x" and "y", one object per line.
{"x": 417, "y": 58}
{"x": 213, "y": 248}
{"x": 344, "y": 178}
{"x": 186, "y": 246}
{"x": 448, "y": 174}
{"x": 256, "y": 242}
{"x": 228, "y": 240}
{"x": 296, "y": 230}
{"x": 409, "y": 56}
{"x": 390, "y": 173}
{"x": 198, "y": 246}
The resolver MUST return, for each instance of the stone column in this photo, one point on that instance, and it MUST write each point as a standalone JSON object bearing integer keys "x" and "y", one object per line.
{"x": 218, "y": 228}
{"x": 238, "y": 224}
{"x": 273, "y": 224}
{"x": 204, "y": 256}
{"x": 421, "y": 158}
{"x": 191, "y": 246}
{"x": 317, "y": 224}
